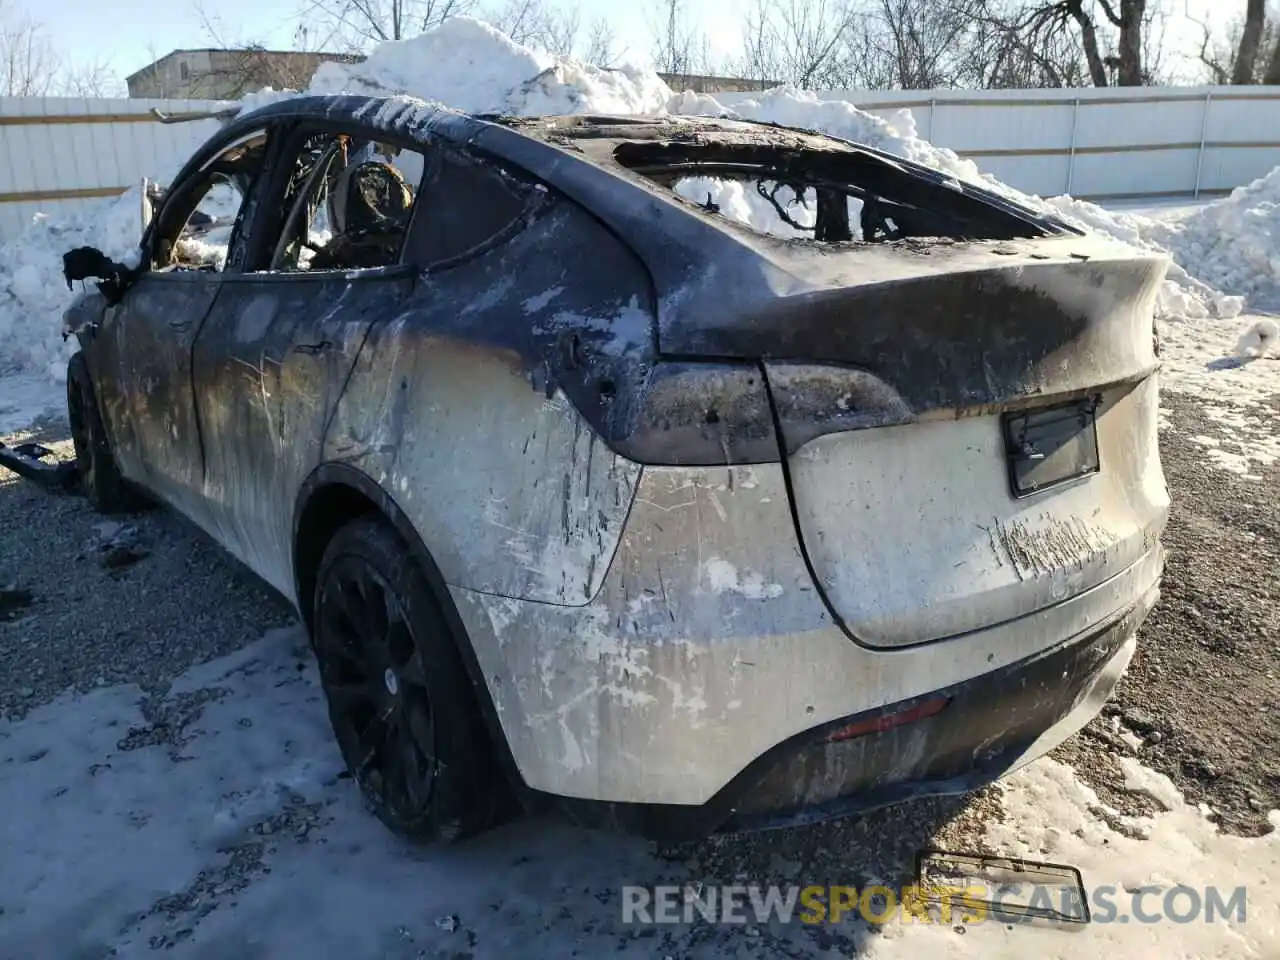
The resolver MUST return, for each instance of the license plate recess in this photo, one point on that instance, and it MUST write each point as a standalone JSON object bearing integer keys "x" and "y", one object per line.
{"x": 1050, "y": 446}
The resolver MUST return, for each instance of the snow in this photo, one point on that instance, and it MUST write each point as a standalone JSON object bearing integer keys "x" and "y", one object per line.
{"x": 222, "y": 203}
{"x": 1246, "y": 437}
{"x": 25, "y": 398}
{"x": 33, "y": 293}
{"x": 1261, "y": 339}
{"x": 1235, "y": 243}
{"x": 220, "y": 827}
{"x": 723, "y": 577}
{"x": 1158, "y": 209}
{"x": 1051, "y": 816}
{"x": 740, "y": 201}
{"x": 472, "y": 67}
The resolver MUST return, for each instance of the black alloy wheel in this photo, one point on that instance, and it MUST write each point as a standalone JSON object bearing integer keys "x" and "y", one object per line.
{"x": 399, "y": 701}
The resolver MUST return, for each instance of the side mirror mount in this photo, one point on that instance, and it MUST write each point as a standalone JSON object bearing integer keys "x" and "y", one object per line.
{"x": 114, "y": 278}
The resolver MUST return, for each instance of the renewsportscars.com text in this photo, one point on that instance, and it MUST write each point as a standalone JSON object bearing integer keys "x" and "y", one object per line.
{"x": 879, "y": 904}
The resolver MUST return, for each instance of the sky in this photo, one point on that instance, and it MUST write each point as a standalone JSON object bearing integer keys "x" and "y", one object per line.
{"x": 136, "y": 32}
{"x": 142, "y": 30}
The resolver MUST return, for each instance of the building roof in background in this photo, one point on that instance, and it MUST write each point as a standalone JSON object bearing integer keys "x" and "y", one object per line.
{"x": 322, "y": 54}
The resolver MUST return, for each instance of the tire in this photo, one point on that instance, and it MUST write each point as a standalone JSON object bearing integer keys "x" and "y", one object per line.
{"x": 99, "y": 477}
{"x": 400, "y": 701}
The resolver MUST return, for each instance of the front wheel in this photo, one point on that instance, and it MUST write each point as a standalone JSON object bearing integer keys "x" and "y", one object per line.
{"x": 100, "y": 480}
{"x": 400, "y": 702}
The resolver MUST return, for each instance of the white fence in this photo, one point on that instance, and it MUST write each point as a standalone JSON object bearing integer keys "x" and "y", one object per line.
{"x": 60, "y": 153}
{"x": 1100, "y": 144}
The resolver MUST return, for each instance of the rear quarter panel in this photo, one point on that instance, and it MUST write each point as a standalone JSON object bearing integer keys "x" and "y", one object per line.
{"x": 459, "y": 409}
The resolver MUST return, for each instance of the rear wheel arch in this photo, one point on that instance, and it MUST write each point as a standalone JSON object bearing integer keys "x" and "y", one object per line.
{"x": 330, "y": 498}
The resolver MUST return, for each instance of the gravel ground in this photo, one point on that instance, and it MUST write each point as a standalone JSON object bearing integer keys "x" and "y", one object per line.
{"x": 1201, "y": 699}
{"x": 87, "y": 602}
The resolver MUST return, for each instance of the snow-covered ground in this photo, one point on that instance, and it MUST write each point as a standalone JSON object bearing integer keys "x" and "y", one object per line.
{"x": 25, "y": 398}
{"x": 1160, "y": 209}
{"x": 218, "y": 822}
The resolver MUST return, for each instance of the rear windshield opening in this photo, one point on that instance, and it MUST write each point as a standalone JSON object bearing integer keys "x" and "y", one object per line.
{"x": 831, "y": 195}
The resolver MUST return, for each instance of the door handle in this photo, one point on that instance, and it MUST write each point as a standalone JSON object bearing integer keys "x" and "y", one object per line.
{"x": 311, "y": 349}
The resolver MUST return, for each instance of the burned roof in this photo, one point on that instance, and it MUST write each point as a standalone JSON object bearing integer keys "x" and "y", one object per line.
{"x": 661, "y": 150}
{"x": 390, "y": 113}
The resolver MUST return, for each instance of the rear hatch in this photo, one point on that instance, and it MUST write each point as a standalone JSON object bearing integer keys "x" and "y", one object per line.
{"x": 935, "y": 528}
{"x": 964, "y": 390}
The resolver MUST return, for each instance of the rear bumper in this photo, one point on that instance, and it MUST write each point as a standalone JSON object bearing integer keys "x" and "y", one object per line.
{"x": 707, "y": 653}
{"x": 992, "y": 724}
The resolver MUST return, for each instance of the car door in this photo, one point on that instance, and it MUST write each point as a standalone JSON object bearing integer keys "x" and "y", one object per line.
{"x": 274, "y": 353}
{"x": 143, "y": 351}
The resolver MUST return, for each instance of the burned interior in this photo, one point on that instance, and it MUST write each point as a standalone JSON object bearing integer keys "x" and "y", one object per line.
{"x": 347, "y": 204}
{"x": 797, "y": 185}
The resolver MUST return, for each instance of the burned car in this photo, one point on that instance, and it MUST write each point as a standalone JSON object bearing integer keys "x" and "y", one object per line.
{"x": 678, "y": 474}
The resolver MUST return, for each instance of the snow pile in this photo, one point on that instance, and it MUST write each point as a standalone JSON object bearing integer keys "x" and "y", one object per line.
{"x": 1231, "y": 245}
{"x": 1227, "y": 251}
{"x": 839, "y": 118}
{"x": 1260, "y": 340}
{"x": 1234, "y": 244}
{"x": 1184, "y": 295}
{"x": 472, "y": 67}
{"x": 33, "y": 293}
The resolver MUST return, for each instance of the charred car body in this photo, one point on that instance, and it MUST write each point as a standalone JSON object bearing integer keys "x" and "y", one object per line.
{"x": 586, "y": 489}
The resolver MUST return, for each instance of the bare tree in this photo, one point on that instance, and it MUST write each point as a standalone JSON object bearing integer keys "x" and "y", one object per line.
{"x": 817, "y": 37}
{"x": 363, "y": 22}
{"x": 1131, "y": 21}
{"x": 555, "y": 29}
{"x": 1216, "y": 58}
{"x": 1120, "y": 41}
{"x": 678, "y": 48}
{"x": 1211, "y": 58}
{"x": 1220, "y": 52}
{"x": 880, "y": 44}
{"x": 912, "y": 44}
{"x": 1046, "y": 24}
{"x": 92, "y": 79}
{"x": 1004, "y": 53}
{"x": 927, "y": 42}
{"x": 1272, "y": 76}
{"x": 30, "y": 65}
{"x": 521, "y": 20}
{"x": 600, "y": 47}
{"x": 240, "y": 65}
{"x": 812, "y": 43}
{"x": 1255, "y": 14}
{"x": 355, "y": 25}
{"x": 28, "y": 62}
{"x": 760, "y": 58}
{"x": 537, "y": 23}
